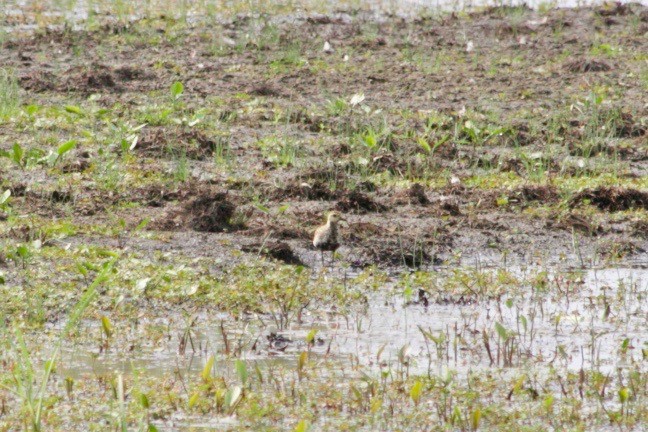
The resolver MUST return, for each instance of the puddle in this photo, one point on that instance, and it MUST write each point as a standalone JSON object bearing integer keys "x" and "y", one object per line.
{"x": 571, "y": 329}
{"x": 585, "y": 327}
{"x": 21, "y": 16}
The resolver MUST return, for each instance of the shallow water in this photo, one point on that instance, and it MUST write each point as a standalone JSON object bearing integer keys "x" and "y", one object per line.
{"x": 571, "y": 329}
{"x": 25, "y": 15}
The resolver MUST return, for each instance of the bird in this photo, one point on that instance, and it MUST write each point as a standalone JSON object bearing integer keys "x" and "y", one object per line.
{"x": 326, "y": 236}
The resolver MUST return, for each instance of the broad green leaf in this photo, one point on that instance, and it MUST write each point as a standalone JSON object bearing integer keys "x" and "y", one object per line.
{"x": 263, "y": 208}
{"x": 66, "y": 147}
{"x": 177, "y": 88}
{"x": 140, "y": 226}
{"x": 241, "y": 369}
{"x": 22, "y": 251}
{"x": 310, "y": 337}
{"x": 31, "y": 109}
{"x": 206, "y": 372}
{"x": 302, "y": 426}
{"x": 303, "y": 358}
{"x": 232, "y": 396}
{"x": 74, "y": 109}
{"x": 624, "y": 394}
{"x": 475, "y": 418}
{"x": 5, "y": 196}
{"x": 376, "y": 404}
{"x": 144, "y": 400}
{"x": 106, "y": 326}
{"x": 501, "y": 331}
{"x": 424, "y": 145}
{"x": 415, "y": 391}
{"x": 17, "y": 153}
{"x": 50, "y": 365}
{"x": 193, "y": 399}
{"x": 548, "y": 402}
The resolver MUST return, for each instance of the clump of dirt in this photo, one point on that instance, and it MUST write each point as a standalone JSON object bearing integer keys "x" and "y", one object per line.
{"x": 575, "y": 222}
{"x": 387, "y": 162}
{"x": 395, "y": 255}
{"x": 626, "y": 126}
{"x": 38, "y": 81}
{"x": 358, "y": 202}
{"x": 415, "y": 194}
{"x": 130, "y": 73}
{"x": 161, "y": 142}
{"x": 582, "y": 66}
{"x": 316, "y": 190}
{"x": 312, "y": 122}
{"x": 156, "y": 196}
{"x": 75, "y": 166}
{"x": 449, "y": 207}
{"x": 612, "y": 198}
{"x": 87, "y": 79}
{"x": 280, "y": 251}
{"x": 265, "y": 89}
{"x": 531, "y": 193}
{"x": 613, "y": 9}
{"x": 61, "y": 196}
{"x": 520, "y": 167}
{"x": 640, "y": 229}
{"x": 360, "y": 231}
{"x": 316, "y": 184}
{"x": 211, "y": 213}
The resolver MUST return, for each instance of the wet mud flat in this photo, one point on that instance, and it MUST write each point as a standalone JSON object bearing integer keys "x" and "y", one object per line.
{"x": 165, "y": 177}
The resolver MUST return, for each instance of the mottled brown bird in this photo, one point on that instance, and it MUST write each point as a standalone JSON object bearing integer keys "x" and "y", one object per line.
{"x": 326, "y": 236}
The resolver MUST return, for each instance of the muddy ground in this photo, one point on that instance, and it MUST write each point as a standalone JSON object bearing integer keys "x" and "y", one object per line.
{"x": 202, "y": 155}
{"x": 253, "y": 80}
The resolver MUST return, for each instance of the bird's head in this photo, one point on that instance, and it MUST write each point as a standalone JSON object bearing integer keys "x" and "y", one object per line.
{"x": 335, "y": 217}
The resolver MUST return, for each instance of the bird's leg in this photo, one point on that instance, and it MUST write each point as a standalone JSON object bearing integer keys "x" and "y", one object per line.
{"x": 322, "y": 256}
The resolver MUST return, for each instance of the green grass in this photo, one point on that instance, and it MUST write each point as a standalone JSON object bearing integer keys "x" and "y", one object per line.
{"x": 9, "y": 94}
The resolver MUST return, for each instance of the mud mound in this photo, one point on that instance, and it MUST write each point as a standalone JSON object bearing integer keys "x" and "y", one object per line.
{"x": 394, "y": 255}
{"x": 582, "y": 66}
{"x": 316, "y": 184}
{"x": 360, "y": 231}
{"x": 359, "y": 203}
{"x": 129, "y": 73}
{"x": 608, "y": 9}
{"x": 530, "y": 193}
{"x": 155, "y": 196}
{"x": 207, "y": 212}
{"x": 211, "y": 213}
{"x": 626, "y": 126}
{"x": 265, "y": 89}
{"x": 159, "y": 142}
{"x": 87, "y": 79}
{"x": 279, "y": 251}
{"x": 38, "y": 81}
{"x": 416, "y": 194}
{"x": 612, "y": 198}
{"x": 316, "y": 190}
{"x": 74, "y": 166}
{"x": 574, "y": 222}
{"x": 640, "y": 229}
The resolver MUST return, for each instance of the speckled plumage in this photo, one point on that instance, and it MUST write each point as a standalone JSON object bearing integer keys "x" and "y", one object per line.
{"x": 326, "y": 236}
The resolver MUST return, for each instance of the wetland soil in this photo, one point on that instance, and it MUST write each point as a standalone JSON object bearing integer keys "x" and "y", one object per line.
{"x": 505, "y": 132}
